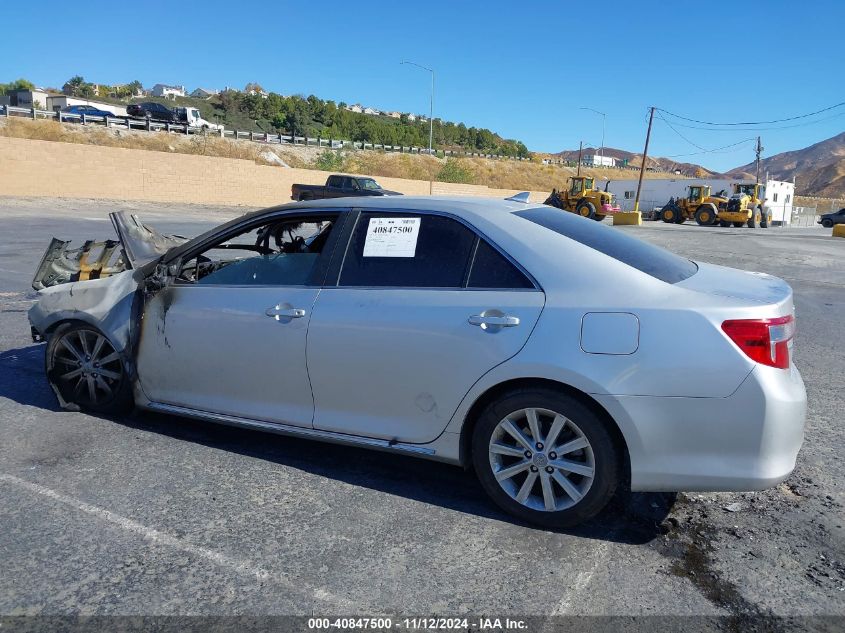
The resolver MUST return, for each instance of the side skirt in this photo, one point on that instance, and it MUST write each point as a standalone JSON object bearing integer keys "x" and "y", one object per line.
{"x": 284, "y": 429}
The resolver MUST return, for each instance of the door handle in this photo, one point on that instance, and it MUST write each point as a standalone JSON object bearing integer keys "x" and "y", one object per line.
{"x": 503, "y": 321}
{"x": 493, "y": 320}
{"x": 280, "y": 312}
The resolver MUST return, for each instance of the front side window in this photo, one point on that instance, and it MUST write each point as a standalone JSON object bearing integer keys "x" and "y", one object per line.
{"x": 407, "y": 250}
{"x": 368, "y": 183}
{"x": 283, "y": 252}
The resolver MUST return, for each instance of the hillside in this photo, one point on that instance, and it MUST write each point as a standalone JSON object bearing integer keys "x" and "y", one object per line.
{"x": 654, "y": 162}
{"x": 818, "y": 170}
{"x": 498, "y": 174}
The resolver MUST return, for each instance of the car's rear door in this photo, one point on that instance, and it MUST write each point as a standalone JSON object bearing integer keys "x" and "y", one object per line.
{"x": 421, "y": 307}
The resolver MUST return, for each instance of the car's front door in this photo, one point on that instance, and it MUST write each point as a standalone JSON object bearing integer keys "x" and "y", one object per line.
{"x": 421, "y": 309}
{"x": 229, "y": 335}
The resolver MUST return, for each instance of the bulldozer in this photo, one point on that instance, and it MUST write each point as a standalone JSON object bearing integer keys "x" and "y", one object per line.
{"x": 745, "y": 207}
{"x": 699, "y": 205}
{"x": 583, "y": 199}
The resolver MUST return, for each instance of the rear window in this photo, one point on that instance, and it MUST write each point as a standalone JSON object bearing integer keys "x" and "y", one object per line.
{"x": 645, "y": 257}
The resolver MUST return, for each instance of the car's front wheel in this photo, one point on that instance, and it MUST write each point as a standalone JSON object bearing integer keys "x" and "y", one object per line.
{"x": 827, "y": 223}
{"x": 85, "y": 370}
{"x": 545, "y": 457}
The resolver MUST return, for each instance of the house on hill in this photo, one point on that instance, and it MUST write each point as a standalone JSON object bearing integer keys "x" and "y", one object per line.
{"x": 205, "y": 93}
{"x": 168, "y": 92}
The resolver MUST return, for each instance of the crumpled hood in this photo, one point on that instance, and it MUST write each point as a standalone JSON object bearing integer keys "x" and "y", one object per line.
{"x": 141, "y": 244}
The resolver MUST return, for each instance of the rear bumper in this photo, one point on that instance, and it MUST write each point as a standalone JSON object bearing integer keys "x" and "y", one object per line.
{"x": 747, "y": 441}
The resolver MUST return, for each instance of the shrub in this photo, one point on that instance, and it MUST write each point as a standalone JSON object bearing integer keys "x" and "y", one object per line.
{"x": 329, "y": 161}
{"x": 455, "y": 171}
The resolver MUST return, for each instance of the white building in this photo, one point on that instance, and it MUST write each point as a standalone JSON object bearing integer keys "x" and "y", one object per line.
{"x": 31, "y": 99}
{"x": 170, "y": 92}
{"x": 596, "y": 160}
{"x": 657, "y": 191}
{"x": 355, "y": 107}
{"x": 412, "y": 117}
{"x": 371, "y": 111}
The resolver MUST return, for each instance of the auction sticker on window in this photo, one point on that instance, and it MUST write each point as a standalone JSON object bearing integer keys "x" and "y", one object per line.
{"x": 392, "y": 237}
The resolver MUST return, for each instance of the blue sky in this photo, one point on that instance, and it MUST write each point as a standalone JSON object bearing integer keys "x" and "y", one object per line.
{"x": 522, "y": 69}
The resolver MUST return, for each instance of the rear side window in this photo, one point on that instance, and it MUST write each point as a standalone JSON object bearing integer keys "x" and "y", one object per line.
{"x": 491, "y": 269}
{"x": 429, "y": 251}
{"x": 645, "y": 257}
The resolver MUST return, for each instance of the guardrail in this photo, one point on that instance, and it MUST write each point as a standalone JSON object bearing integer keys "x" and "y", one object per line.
{"x": 130, "y": 123}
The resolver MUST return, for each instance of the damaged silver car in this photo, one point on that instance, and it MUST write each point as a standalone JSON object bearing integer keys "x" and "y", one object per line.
{"x": 558, "y": 357}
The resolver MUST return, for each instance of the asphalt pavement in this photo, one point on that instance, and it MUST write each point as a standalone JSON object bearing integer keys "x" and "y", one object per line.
{"x": 151, "y": 514}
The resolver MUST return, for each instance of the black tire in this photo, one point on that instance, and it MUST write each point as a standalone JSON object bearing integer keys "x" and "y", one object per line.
{"x": 586, "y": 209}
{"x": 305, "y": 196}
{"x": 112, "y": 387}
{"x": 723, "y": 223}
{"x": 599, "y": 218}
{"x": 606, "y": 457}
{"x": 669, "y": 214}
{"x": 752, "y": 221}
{"x": 827, "y": 223}
{"x": 704, "y": 215}
{"x": 738, "y": 224}
{"x": 764, "y": 218}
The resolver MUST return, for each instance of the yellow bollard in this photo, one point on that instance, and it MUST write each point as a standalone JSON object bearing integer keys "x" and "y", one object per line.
{"x": 839, "y": 230}
{"x": 627, "y": 218}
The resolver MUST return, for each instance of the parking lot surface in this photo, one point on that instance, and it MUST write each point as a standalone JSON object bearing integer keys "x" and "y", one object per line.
{"x": 151, "y": 514}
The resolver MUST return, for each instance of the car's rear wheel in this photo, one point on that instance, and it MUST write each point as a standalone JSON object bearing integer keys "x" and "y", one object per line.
{"x": 85, "y": 369}
{"x": 545, "y": 457}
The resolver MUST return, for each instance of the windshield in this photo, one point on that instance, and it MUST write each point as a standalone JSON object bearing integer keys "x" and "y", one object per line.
{"x": 368, "y": 183}
{"x": 588, "y": 183}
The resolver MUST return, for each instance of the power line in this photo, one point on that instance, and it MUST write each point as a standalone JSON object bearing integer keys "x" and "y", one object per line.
{"x": 793, "y": 118}
{"x": 659, "y": 113}
{"x": 758, "y": 129}
{"x": 716, "y": 150}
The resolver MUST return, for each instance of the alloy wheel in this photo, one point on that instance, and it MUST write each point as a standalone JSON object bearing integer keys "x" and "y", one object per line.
{"x": 87, "y": 368}
{"x": 541, "y": 459}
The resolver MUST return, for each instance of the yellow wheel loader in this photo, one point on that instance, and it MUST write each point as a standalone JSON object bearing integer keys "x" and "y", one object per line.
{"x": 745, "y": 207}
{"x": 583, "y": 199}
{"x": 699, "y": 205}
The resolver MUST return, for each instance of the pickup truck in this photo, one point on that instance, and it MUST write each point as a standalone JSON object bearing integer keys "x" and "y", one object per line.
{"x": 340, "y": 187}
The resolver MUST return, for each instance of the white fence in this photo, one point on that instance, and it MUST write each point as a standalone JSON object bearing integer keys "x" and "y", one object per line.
{"x": 148, "y": 125}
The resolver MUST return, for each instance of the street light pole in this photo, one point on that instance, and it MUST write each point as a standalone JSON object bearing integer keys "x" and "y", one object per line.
{"x": 431, "y": 105}
{"x": 603, "y": 121}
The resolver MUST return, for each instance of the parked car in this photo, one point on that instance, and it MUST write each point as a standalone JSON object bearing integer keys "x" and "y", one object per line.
{"x": 88, "y": 110}
{"x": 153, "y": 111}
{"x": 338, "y": 186}
{"x": 829, "y": 219}
{"x": 558, "y": 357}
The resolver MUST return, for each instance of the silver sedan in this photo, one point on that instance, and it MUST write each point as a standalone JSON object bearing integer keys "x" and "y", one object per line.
{"x": 559, "y": 358}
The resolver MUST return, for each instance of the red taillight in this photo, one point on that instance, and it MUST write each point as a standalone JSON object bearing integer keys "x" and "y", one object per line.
{"x": 765, "y": 341}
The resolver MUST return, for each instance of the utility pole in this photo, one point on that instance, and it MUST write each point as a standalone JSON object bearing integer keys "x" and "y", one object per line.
{"x": 580, "y": 148}
{"x": 430, "y": 106}
{"x": 603, "y": 123}
{"x": 645, "y": 155}
{"x": 759, "y": 151}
